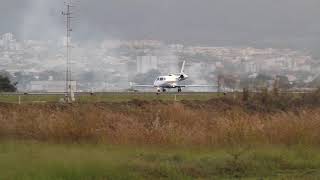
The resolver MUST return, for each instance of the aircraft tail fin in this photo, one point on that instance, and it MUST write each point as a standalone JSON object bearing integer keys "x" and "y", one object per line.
{"x": 182, "y": 69}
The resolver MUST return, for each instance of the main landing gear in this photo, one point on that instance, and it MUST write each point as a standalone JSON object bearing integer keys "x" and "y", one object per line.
{"x": 161, "y": 90}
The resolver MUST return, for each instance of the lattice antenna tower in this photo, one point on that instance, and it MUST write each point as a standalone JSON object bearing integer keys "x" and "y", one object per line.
{"x": 67, "y": 13}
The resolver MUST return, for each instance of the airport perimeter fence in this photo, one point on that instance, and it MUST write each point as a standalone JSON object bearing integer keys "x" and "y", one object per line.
{"x": 21, "y": 98}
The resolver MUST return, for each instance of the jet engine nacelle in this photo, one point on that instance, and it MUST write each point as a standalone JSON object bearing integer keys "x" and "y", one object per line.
{"x": 183, "y": 77}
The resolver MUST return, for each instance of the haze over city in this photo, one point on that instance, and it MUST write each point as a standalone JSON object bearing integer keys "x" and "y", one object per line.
{"x": 119, "y": 41}
{"x": 284, "y": 23}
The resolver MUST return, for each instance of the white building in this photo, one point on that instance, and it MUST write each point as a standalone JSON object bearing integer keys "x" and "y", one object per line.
{"x": 251, "y": 67}
{"x": 7, "y": 37}
{"x": 146, "y": 63}
{"x": 176, "y": 47}
{"x": 50, "y": 86}
{"x": 8, "y": 41}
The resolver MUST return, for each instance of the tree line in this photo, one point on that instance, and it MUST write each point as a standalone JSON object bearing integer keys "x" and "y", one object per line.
{"x": 6, "y": 85}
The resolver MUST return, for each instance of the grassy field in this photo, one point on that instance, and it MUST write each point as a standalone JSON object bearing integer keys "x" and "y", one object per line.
{"x": 259, "y": 136}
{"x": 108, "y": 97}
{"x": 41, "y": 161}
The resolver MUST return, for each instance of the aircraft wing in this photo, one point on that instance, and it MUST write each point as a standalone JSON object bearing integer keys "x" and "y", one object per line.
{"x": 148, "y": 86}
{"x": 140, "y": 85}
{"x": 197, "y": 86}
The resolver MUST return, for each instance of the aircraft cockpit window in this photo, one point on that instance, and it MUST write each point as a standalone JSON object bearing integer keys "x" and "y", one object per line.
{"x": 161, "y": 79}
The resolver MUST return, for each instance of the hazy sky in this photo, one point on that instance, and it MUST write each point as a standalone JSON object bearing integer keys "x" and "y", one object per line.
{"x": 292, "y": 23}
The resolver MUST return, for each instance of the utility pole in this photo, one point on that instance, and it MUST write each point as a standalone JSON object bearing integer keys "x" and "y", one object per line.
{"x": 69, "y": 94}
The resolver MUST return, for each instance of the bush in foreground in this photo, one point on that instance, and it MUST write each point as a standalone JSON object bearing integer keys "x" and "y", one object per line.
{"x": 159, "y": 124}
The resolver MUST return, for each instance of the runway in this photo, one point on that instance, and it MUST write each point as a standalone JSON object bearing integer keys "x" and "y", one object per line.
{"x": 87, "y": 97}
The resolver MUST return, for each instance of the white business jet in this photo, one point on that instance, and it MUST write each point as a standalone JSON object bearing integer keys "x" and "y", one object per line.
{"x": 171, "y": 81}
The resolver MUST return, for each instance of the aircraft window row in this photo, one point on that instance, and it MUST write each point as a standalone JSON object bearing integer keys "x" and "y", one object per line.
{"x": 161, "y": 79}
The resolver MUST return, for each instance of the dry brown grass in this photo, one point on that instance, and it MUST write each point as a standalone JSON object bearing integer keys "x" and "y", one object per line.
{"x": 159, "y": 124}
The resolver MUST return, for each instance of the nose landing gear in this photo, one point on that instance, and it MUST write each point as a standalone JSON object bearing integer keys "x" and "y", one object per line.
{"x": 179, "y": 90}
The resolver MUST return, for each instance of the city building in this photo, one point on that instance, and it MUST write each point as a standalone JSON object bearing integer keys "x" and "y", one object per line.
{"x": 7, "y": 41}
{"x": 146, "y": 63}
